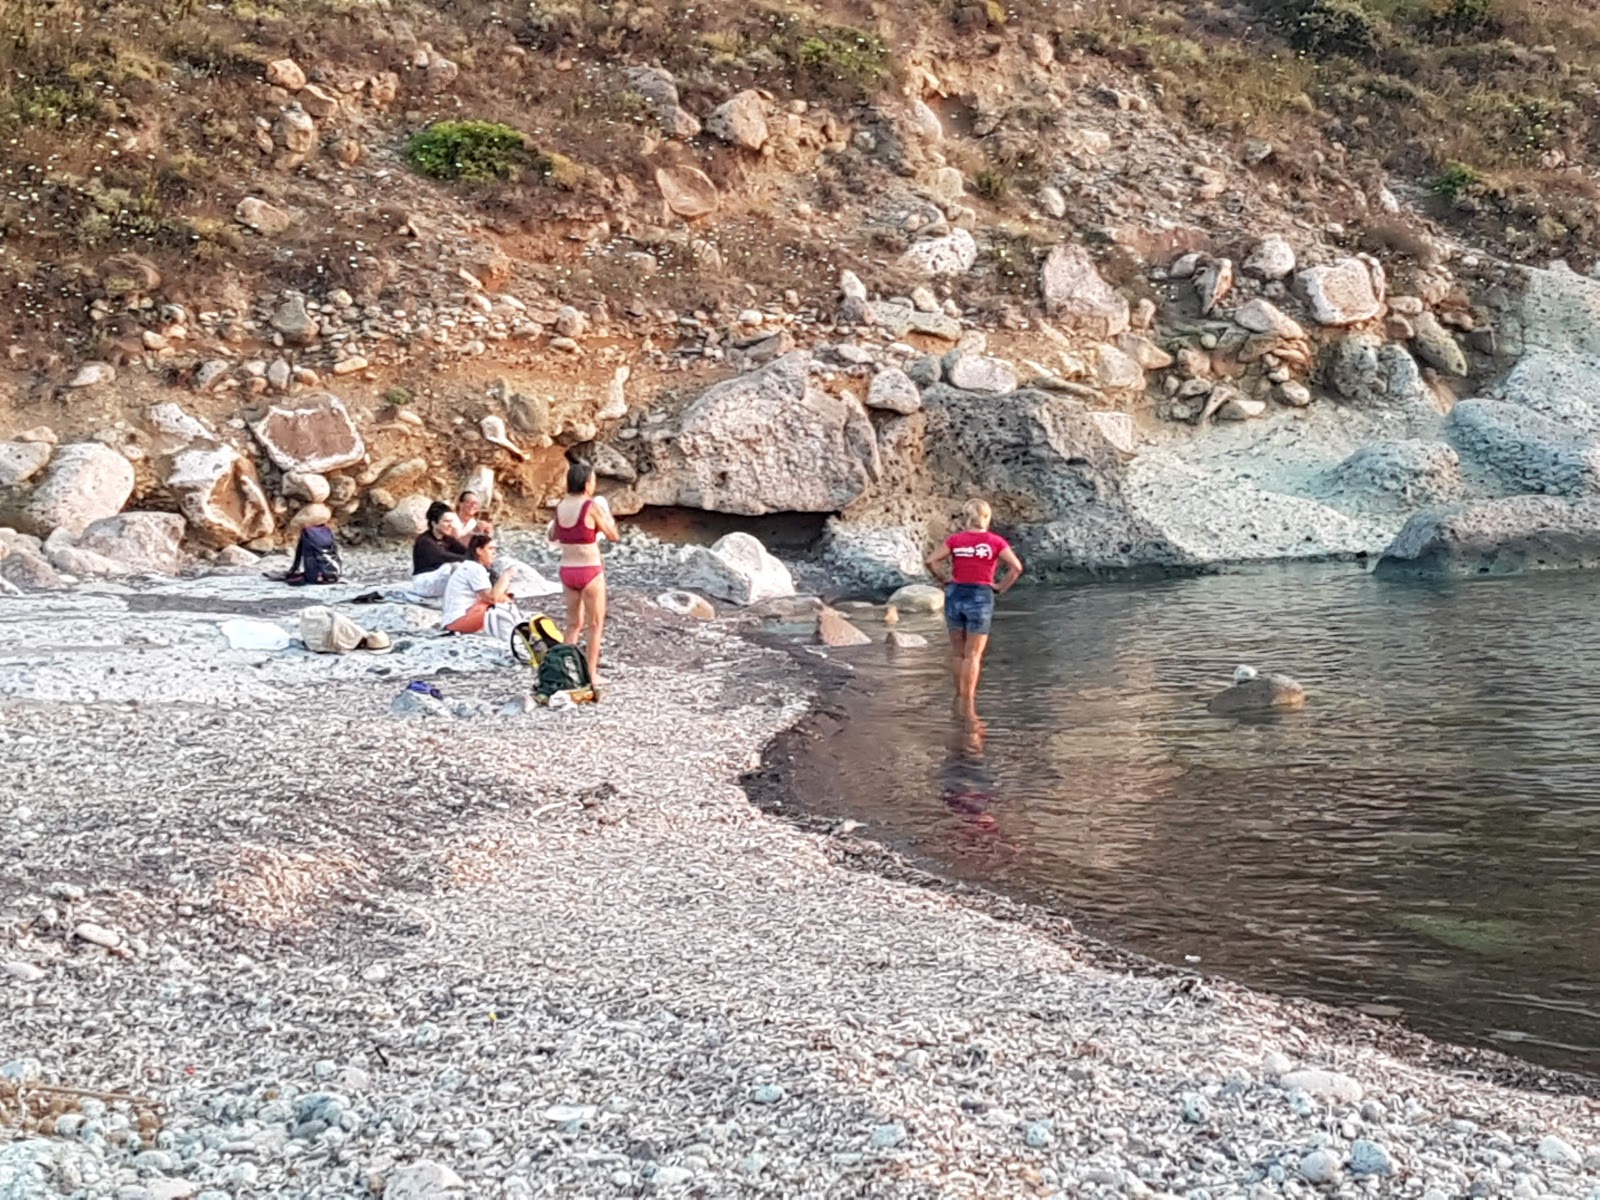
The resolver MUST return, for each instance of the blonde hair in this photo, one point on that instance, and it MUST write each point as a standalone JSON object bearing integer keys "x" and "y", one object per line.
{"x": 976, "y": 514}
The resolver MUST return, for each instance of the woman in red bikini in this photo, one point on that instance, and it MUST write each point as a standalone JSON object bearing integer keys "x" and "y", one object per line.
{"x": 582, "y": 519}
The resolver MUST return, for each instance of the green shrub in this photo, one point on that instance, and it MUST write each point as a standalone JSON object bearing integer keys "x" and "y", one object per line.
{"x": 1454, "y": 180}
{"x": 1329, "y": 28}
{"x": 474, "y": 151}
{"x": 849, "y": 56}
{"x": 991, "y": 184}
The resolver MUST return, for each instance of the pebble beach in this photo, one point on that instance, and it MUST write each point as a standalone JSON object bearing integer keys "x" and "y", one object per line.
{"x": 262, "y": 937}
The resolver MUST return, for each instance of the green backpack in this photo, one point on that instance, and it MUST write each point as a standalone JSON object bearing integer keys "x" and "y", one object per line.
{"x": 563, "y": 669}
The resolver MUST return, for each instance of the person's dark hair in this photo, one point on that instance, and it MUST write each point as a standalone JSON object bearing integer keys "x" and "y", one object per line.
{"x": 477, "y": 542}
{"x": 578, "y": 475}
{"x": 464, "y": 495}
{"x": 436, "y": 511}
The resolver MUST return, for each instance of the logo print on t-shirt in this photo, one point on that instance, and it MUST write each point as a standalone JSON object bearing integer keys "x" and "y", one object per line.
{"x": 981, "y": 550}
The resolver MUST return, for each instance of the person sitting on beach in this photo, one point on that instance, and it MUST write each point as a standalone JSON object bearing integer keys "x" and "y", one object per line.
{"x": 470, "y": 511}
{"x": 437, "y": 552}
{"x": 470, "y": 593}
{"x": 581, "y": 520}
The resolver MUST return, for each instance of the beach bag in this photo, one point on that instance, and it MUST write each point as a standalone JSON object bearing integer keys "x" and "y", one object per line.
{"x": 319, "y": 555}
{"x": 563, "y": 669}
{"x": 532, "y": 639}
{"x": 499, "y": 622}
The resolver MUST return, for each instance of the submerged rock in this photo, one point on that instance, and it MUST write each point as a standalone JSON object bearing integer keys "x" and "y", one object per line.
{"x": 1252, "y": 692}
{"x": 1497, "y": 537}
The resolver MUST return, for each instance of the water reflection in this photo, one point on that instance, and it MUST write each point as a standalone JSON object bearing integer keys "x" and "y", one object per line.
{"x": 1424, "y": 837}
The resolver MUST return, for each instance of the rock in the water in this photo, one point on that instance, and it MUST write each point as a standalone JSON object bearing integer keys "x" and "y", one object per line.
{"x": 311, "y": 434}
{"x": 1341, "y": 293}
{"x": 22, "y": 461}
{"x": 891, "y": 390}
{"x": 1372, "y": 373}
{"x": 688, "y": 191}
{"x": 1436, "y": 346}
{"x": 1414, "y": 471}
{"x": 1272, "y": 259}
{"x": 1525, "y": 450}
{"x": 423, "y": 1181}
{"x": 1497, "y": 537}
{"x": 919, "y": 598}
{"x": 147, "y": 543}
{"x": 982, "y": 373}
{"x": 900, "y": 640}
{"x": 953, "y": 254}
{"x": 742, "y": 121}
{"x": 1259, "y": 693}
{"x": 687, "y": 604}
{"x": 1076, "y": 294}
{"x": 769, "y": 441}
{"x": 84, "y": 482}
{"x": 833, "y": 629}
{"x": 737, "y": 569}
{"x": 1323, "y": 1085}
{"x": 1262, "y": 316}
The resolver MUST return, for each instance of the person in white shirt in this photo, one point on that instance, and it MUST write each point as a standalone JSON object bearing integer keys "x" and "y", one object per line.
{"x": 470, "y": 594}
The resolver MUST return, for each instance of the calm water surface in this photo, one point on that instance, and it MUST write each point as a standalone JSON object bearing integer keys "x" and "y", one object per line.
{"x": 1422, "y": 841}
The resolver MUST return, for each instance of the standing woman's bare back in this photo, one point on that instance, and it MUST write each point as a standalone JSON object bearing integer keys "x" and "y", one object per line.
{"x": 581, "y": 520}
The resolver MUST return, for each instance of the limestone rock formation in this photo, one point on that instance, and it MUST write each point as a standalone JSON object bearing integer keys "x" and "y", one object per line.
{"x": 311, "y": 434}
{"x": 1497, "y": 537}
{"x": 147, "y": 543}
{"x": 770, "y": 441}
{"x": 1076, "y": 294}
{"x": 737, "y": 569}
{"x": 84, "y": 482}
{"x": 1341, "y": 293}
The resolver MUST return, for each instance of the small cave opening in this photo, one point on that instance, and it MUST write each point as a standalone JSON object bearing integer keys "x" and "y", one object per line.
{"x": 786, "y": 532}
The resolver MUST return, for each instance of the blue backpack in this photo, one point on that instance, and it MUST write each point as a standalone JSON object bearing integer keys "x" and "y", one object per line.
{"x": 318, "y": 555}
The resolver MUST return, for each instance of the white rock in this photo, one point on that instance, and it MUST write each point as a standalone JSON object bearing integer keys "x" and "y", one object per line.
{"x": 953, "y": 254}
{"x": 1076, "y": 293}
{"x": 1341, "y": 293}
{"x": 918, "y": 598}
{"x": 147, "y": 543}
{"x": 687, "y": 604}
{"x": 306, "y": 485}
{"x": 742, "y": 121}
{"x": 97, "y": 935}
{"x": 1325, "y": 1085}
{"x": 737, "y": 569}
{"x": 1275, "y": 1064}
{"x": 93, "y": 374}
{"x": 1295, "y": 394}
{"x": 1262, "y": 316}
{"x": 312, "y": 434}
{"x": 423, "y": 1181}
{"x": 925, "y": 121}
{"x": 21, "y": 461}
{"x": 23, "y": 972}
{"x": 287, "y": 74}
{"x": 84, "y": 483}
{"x": 1553, "y": 1149}
{"x": 262, "y": 216}
{"x": 983, "y": 373}
{"x": 893, "y": 391}
{"x": 1240, "y": 407}
{"x": 1274, "y": 258}
{"x": 1053, "y": 202}
{"x": 851, "y": 287}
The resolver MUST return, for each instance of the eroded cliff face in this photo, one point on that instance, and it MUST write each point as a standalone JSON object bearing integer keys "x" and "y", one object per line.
{"x": 860, "y": 265}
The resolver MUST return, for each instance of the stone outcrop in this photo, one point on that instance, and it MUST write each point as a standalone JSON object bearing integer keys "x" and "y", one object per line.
{"x": 210, "y": 483}
{"x": 1078, "y": 296}
{"x": 1371, "y": 373}
{"x": 737, "y": 569}
{"x": 310, "y": 434}
{"x": 878, "y": 558}
{"x": 1409, "y": 470}
{"x": 147, "y": 543}
{"x": 770, "y": 441}
{"x": 1497, "y": 537}
{"x": 1524, "y": 450}
{"x": 84, "y": 483}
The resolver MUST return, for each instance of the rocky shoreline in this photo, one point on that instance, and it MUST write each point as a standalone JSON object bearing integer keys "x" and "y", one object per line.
{"x": 329, "y": 951}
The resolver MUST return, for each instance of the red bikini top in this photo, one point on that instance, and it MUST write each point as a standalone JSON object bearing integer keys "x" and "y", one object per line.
{"x": 578, "y": 533}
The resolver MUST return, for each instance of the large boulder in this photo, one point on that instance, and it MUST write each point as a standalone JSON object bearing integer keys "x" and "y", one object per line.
{"x": 1372, "y": 373}
{"x": 214, "y": 486}
{"x": 1410, "y": 471}
{"x": 953, "y": 254}
{"x": 879, "y": 558}
{"x": 770, "y": 441}
{"x": 1076, "y": 294}
{"x": 742, "y": 121}
{"x": 737, "y": 569}
{"x": 148, "y": 543}
{"x": 311, "y": 434}
{"x": 84, "y": 482}
{"x": 1524, "y": 450}
{"x": 1497, "y": 537}
{"x": 1342, "y": 293}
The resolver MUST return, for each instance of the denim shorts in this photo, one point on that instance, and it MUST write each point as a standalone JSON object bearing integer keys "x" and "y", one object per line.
{"x": 968, "y": 607}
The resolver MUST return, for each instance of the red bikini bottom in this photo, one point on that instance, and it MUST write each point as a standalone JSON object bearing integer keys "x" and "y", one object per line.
{"x": 578, "y": 578}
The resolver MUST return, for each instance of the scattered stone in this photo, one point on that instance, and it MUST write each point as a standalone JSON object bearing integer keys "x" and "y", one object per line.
{"x": 901, "y": 640}
{"x": 891, "y": 391}
{"x": 1273, "y": 259}
{"x": 147, "y": 543}
{"x": 1369, "y": 1158}
{"x": 286, "y": 73}
{"x": 1324, "y": 1085}
{"x": 688, "y": 191}
{"x": 1053, "y": 202}
{"x": 1294, "y": 394}
{"x": 742, "y": 121}
{"x": 982, "y": 373}
{"x": 21, "y": 461}
{"x": 887, "y": 1137}
{"x": 1040, "y": 1135}
{"x": 265, "y": 218}
{"x": 129, "y": 275}
{"x": 953, "y": 254}
{"x": 1213, "y": 285}
{"x": 1553, "y": 1149}
{"x": 1321, "y": 1167}
{"x": 1275, "y": 1064}
{"x": 92, "y": 374}
{"x": 23, "y": 972}
{"x": 1372, "y": 373}
{"x": 1076, "y": 294}
{"x": 1262, "y": 316}
{"x": 423, "y": 1181}
{"x": 97, "y": 935}
{"x": 292, "y": 319}
{"x": 833, "y": 629}
{"x": 767, "y": 1093}
{"x": 737, "y": 569}
{"x": 1341, "y": 293}
{"x": 1117, "y": 371}
{"x": 1236, "y": 406}
{"x": 687, "y": 604}
{"x": 1437, "y": 347}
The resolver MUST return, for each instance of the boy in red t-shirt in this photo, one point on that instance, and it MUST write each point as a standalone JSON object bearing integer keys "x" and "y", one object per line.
{"x": 974, "y": 555}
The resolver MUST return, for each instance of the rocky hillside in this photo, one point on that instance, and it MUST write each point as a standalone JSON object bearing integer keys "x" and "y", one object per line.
{"x": 1174, "y": 283}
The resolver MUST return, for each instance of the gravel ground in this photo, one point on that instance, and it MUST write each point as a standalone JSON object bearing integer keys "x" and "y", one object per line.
{"x": 261, "y": 938}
